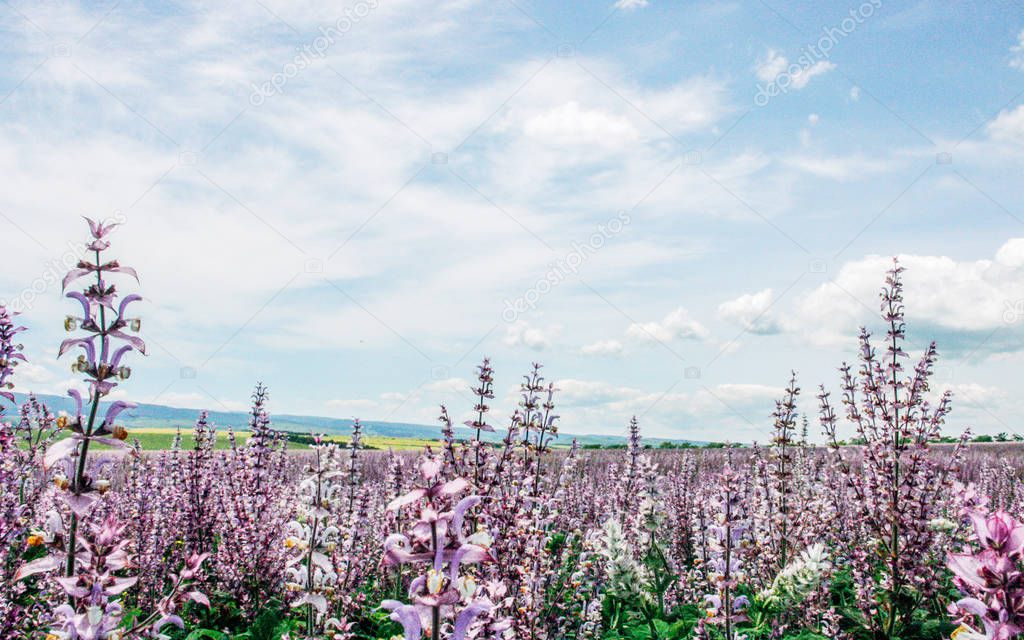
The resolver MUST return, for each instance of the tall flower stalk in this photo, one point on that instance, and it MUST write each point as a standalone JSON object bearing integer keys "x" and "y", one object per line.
{"x": 10, "y": 354}
{"x": 314, "y": 536}
{"x": 104, "y": 322}
{"x": 726, "y": 607}
{"x": 484, "y": 392}
{"x": 93, "y": 553}
{"x": 897, "y": 488}
{"x": 782, "y": 471}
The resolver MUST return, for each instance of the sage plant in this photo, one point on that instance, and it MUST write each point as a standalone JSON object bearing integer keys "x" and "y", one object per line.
{"x": 10, "y": 354}
{"x": 104, "y": 321}
{"x": 92, "y": 553}
{"x": 897, "y": 487}
{"x": 726, "y": 608}
{"x": 447, "y": 599}
{"x": 313, "y": 536}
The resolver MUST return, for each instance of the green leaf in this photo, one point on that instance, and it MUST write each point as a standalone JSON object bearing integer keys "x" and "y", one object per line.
{"x": 206, "y": 634}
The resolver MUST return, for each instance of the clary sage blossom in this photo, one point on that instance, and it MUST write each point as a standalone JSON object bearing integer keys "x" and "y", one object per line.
{"x": 991, "y": 578}
{"x": 446, "y": 590}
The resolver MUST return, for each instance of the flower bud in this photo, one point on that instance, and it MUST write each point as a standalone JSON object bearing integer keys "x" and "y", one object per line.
{"x": 135, "y": 324}
{"x": 118, "y": 432}
{"x": 70, "y": 323}
{"x": 123, "y": 373}
{"x": 102, "y": 486}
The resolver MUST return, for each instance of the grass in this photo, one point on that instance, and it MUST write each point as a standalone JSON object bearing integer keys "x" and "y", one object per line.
{"x": 162, "y": 438}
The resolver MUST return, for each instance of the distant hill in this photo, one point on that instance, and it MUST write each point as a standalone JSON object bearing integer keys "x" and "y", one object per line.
{"x": 157, "y": 415}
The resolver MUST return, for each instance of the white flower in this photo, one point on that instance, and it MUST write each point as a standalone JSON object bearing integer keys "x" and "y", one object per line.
{"x": 963, "y": 632}
{"x": 481, "y": 538}
{"x": 435, "y": 581}
{"x": 466, "y": 586}
{"x": 800, "y": 577}
{"x": 943, "y": 525}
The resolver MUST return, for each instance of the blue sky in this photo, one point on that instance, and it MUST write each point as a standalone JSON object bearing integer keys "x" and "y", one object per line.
{"x": 671, "y": 205}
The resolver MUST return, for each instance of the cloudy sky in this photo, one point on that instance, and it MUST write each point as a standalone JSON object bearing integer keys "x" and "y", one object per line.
{"x": 671, "y": 205}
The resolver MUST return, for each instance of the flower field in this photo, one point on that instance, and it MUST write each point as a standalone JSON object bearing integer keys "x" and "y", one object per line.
{"x": 221, "y": 537}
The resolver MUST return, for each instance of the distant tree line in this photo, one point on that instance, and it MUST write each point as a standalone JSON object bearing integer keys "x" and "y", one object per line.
{"x": 310, "y": 439}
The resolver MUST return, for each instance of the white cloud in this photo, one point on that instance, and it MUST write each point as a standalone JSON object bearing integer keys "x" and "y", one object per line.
{"x": 751, "y": 311}
{"x": 1017, "y": 61}
{"x": 1011, "y": 254}
{"x": 963, "y": 300}
{"x": 603, "y": 348}
{"x": 804, "y": 75}
{"x": 352, "y": 407}
{"x": 448, "y": 385}
{"x": 570, "y": 124}
{"x": 629, "y": 5}
{"x": 573, "y": 392}
{"x": 741, "y": 409}
{"x": 30, "y": 377}
{"x": 843, "y": 168}
{"x": 1008, "y": 125}
{"x": 771, "y": 66}
{"x": 691, "y": 105}
{"x": 774, "y": 67}
{"x": 738, "y": 398}
{"x": 972, "y": 394}
{"x": 522, "y": 334}
{"x": 677, "y": 325}
{"x": 855, "y": 93}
